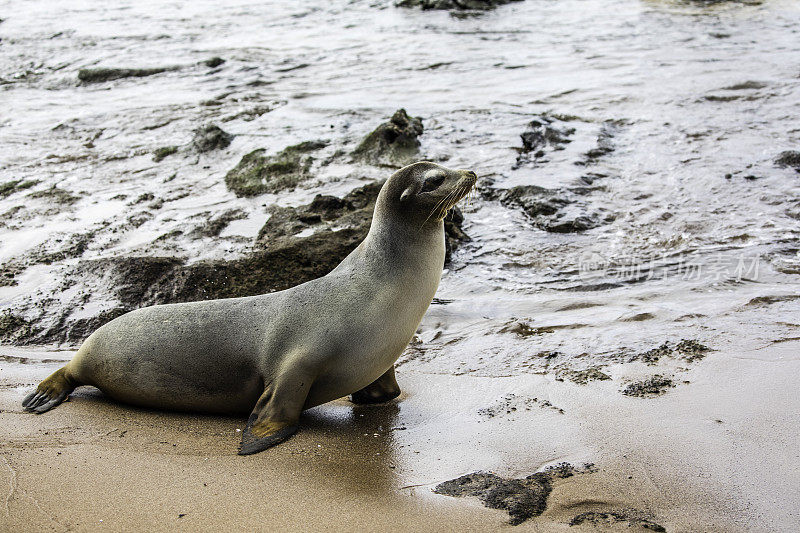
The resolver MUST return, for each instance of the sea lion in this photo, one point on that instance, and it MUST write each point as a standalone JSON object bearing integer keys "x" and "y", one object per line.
{"x": 276, "y": 354}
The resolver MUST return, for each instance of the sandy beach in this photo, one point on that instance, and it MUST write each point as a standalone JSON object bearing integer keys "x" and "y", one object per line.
{"x": 717, "y": 454}
{"x": 613, "y": 344}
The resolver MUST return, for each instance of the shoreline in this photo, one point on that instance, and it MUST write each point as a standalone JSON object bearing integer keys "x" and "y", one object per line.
{"x": 718, "y": 453}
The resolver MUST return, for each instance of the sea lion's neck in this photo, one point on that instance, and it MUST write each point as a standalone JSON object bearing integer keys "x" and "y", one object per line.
{"x": 399, "y": 250}
{"x": 400, "y": 246}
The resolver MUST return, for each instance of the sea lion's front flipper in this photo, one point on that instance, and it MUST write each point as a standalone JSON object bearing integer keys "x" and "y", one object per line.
{"x": 50, "y": 392}
{"x": 381, "y": 390}
{"x": 274, "y": 418}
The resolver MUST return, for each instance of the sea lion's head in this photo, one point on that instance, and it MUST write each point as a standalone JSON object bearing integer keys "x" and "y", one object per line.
{"x": 425, "y": 192}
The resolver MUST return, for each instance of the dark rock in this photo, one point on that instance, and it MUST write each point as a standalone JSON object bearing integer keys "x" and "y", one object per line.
{"x": 688, "y": 350}
{"x": 211, "y": 137}
{"x": 746, "y": 85}
{"x": 258, "y": 174}
{"x": 98, "y": 75}
{"x": 454, "y": 236}
{"x": 393, "y": 144}
{"x": 474, "y": 5}
{"x": 55, "y": 195}
{"x": 164, "y": 151}
{"x": 354, "y": 211}
{"x": 327, "y": 205}
{"x": 253, "y": 113}
{"x": 76, "y": 331}
{"x": 8, "y": 273}
{"x": 582, "y": 377}
{"x": 10, "y": 187}
{"x": 218, "y": 223}
{"x": 15, "y": 329}
{"x": 131, "y": 278}
{"x": 214, "y": 62}
{"x": 553, "y": 210}
{"x": 542, "y": 132}
{"x": 789, "y": 159}
{"x": 605, "y": 144}
{"x": 522, "y": 498}
{"x": 652, "y": 386}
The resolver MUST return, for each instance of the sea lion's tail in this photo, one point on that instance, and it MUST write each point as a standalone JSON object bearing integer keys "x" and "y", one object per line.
{"x": 50, "y": 392}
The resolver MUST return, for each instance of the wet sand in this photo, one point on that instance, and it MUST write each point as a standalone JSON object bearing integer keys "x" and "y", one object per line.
{"x": 717, "y": 454}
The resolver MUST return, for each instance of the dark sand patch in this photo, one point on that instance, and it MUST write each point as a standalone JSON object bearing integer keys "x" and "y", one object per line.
{"x": 633, "y": 518}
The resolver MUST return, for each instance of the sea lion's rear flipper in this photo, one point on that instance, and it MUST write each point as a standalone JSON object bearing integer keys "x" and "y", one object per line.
{"x": 381, "y": 390}
{"x": 274, "y": 418}
{"x": 50, "y": 392}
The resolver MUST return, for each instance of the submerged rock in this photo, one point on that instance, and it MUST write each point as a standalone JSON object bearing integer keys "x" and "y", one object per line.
{"x": 545, "y": 131}
{"x": 258, "y": 174}
{"x": 98, "y": 75}
{"x": 476, "y": 5}
{"x": 10, "y": 187}
{"x": 211, "y": 137}
{"x": 164, "y": 151}
{"x": 214, "y": 62}
{"x": 605, "y": 144}
{"x": 393, "y": 144}
{"x": 553, "y": 210}
{"x": 55, "y": 195}
{"x": 789, "y": 159}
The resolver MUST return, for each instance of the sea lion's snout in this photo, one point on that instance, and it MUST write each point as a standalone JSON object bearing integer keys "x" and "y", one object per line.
{"x": 468, "y": 178}
{"x": 470, "y": 175}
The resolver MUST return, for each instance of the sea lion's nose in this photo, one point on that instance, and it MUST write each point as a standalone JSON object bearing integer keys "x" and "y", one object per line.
{"x": 470, "y": 174}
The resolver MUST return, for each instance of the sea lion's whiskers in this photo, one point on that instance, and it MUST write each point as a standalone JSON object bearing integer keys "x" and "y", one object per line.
{"x": 458, "y": 195}
{"x": 434, "y": 210}
{"x": 443, "y": 207}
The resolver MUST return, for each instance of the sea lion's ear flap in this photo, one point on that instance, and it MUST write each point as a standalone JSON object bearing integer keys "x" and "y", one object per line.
{"x": 409, "y": 193}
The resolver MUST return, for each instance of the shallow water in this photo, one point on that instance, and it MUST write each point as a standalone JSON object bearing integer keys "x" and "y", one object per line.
{"x": 687, "y": 93}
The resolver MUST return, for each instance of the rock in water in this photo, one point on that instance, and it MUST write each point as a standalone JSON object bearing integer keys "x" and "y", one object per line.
{"x": 474, "y": 5}
{"x": 258, "y": 174}
{"x": 789, "y": 159}
{"x": 211, "y": 137}
{"x": 393, "y": 143}
{"x": 99, "y": 75}
{"x": 553, "y": 210}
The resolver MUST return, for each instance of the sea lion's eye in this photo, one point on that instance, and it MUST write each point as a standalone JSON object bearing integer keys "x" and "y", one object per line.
{"x": 432, "y": 183}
